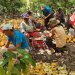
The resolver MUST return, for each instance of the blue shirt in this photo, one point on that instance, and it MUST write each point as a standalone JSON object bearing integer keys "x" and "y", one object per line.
{"x": 19, "y": 38}
{"x": 47, "y": 11}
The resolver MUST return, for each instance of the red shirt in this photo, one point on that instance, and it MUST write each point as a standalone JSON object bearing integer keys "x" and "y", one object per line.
{"x": 72, "y": 19}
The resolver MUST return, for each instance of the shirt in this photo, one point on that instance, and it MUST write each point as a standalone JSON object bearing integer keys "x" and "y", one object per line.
{"x": 59, "y": 36}
{"x": 72, "y": 19}
{"x": 47, "y": 11}
{"x": 28, "y": 28}
{"x": 60, "y": 16}
{"x": 19, "y": 38}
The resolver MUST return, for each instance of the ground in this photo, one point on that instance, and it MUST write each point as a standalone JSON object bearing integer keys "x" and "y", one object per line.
{"x": 67, "y": 58}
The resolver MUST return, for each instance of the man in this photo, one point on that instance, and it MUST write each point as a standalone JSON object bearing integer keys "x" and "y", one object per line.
{"x": 47, "y": 12}
{"x": 57, "y": 35}
{"x": 17, "y": 38}
{"x": 60, "y": 16}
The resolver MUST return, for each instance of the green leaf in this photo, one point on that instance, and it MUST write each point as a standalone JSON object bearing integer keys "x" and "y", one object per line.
{"x": 26, "y": 70}
{"x": 26, "y": 58}
{"x": 29, "y": 59}
{"x": 55, "y": 0}
{"x": 10, "y": 67}
{"x": 23, "y": 64}
{"x": 15, "y": 71}
{"x": 58, "y": 4}
{"x": 22, "y": 51}
{"x": 5, "y": 61}
{"x": 2, "y": 72}
{"x": 10, "y": 54}
{"x": 1, "y": 62}
{"x": 18, "y": 66}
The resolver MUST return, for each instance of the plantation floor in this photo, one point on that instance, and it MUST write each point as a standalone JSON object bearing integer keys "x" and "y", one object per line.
{"x": 67, "y": 58}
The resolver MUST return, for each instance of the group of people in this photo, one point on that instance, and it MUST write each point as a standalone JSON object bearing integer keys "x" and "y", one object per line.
{"x": 56, "y": 38}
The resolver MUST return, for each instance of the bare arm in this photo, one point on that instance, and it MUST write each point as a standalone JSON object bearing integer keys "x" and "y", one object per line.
{"x": 7, "y": 44}
{"x": 14, "y": 48}
{"x": 47, "y": 16}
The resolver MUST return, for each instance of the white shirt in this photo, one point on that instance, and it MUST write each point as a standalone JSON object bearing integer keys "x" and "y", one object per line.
{"x": 24, "y": 27}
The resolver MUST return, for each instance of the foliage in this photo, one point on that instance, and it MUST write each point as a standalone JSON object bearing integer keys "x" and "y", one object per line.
{"x": 23, "y": 8}
{"x": 2, "y": 70}
{"x": 9, "y": 7}
{"x": 64, "y": 4}
{"x": 15, "y": 7}
{"x": 13, "y": 63}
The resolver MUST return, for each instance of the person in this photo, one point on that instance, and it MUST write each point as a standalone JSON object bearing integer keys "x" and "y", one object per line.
{"x": 48, "y": 13}
{"x": 60, "y": 16}
{"x": 17, "y": 38}
{"x": 26, "y": 25}
{"x": 67, "y": 22}
{"x": 35, "y": 21}
{"x": 57, "y": 35}
{"x": 31, "y": 17}
{"x": 72, "y": 19}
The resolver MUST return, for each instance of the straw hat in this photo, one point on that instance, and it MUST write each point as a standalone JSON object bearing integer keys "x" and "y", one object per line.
{"x": 53, "y": 22}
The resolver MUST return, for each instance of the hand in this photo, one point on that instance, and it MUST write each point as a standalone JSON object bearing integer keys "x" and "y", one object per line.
{"x": 45, "y": 17}
{"x": 50, "y": 34}
{"x": 12, "y": 48}
{"x": 3, "y": 50}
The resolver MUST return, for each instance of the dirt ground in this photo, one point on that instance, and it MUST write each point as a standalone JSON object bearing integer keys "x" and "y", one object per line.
{"x": 67, "y": 58}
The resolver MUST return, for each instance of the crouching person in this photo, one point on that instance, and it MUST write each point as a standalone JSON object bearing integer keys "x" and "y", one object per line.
{"x": 57, "y": 35}
{"x": 17, "y": 38}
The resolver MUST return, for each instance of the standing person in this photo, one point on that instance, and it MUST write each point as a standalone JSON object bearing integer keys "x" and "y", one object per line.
{"x": 17, "y": 38}
{"x": 60, "y": 15}
{"x": 57, "y": 35}
{"x": 47, "y": 12}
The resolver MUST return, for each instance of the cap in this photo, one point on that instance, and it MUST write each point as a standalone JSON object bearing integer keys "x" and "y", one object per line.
{"x": 6, "y": 27}
{"x": 25, "y": 15}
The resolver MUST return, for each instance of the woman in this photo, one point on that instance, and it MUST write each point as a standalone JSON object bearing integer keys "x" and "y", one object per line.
{"x": 26, "y": 25}
{"x": 17, "y": 38}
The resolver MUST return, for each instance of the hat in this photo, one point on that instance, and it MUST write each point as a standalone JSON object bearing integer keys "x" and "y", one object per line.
{"x": 6, "y": 27}
{"x": 43, "y": 6}
{"x": 25, "y": 15}
{"x": 53, "y": 22}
